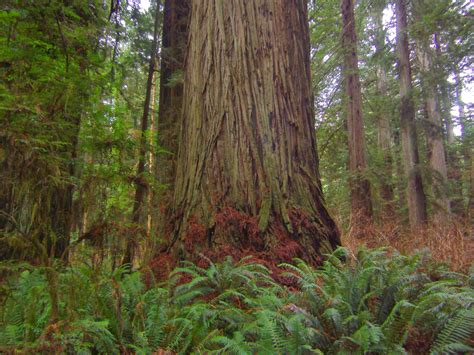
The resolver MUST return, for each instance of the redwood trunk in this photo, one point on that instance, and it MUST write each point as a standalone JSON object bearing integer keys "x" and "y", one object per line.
{"x": 415, "y": 195}
{"x": 175, "y": 21}
{"x": 247, "y": 180}
{"x": 360, "y": 187}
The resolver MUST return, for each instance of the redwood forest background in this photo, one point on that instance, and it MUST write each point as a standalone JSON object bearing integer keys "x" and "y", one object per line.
{"x": 237, "y": 176}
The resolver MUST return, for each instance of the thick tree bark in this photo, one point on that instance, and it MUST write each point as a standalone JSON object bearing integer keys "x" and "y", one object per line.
{"x": 384, "y": 134}
{"x": 140, "y": 182}
{"x": 360, "y": 187}
{"x": 247, "y": 180}
{"x": 415, "y": 194}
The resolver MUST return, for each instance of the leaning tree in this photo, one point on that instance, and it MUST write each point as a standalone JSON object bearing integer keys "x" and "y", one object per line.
{"x": 247, "y": 169}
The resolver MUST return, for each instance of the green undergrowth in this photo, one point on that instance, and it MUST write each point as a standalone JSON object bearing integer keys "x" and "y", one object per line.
{"x": 379, "y": 302}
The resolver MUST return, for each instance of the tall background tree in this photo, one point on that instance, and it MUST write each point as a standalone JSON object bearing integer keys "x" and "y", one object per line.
{"x": 382, "y": 112}
{"x": 360, "y": 187}
{"x": 434, "y": 124}
{"x": 415, "y": 193}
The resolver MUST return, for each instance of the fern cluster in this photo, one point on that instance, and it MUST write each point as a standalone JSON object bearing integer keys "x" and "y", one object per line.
{"x": 374, "y": 303}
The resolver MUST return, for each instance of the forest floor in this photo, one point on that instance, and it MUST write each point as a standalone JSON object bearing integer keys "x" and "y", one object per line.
{"x": 449, "y": 242}
{"x": 359, "y": 301}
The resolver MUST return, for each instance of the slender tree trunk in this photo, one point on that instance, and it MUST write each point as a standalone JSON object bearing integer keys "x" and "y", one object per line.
{"x": 247, "y": 180}
{"x": 152, "y": 160}
{"x": 437, "y": 154}
{"x": 360, "y": 186}
{"x": 415, "y": 194}
{"x": 140, "y": 181}
{"x": 384, "y": 135}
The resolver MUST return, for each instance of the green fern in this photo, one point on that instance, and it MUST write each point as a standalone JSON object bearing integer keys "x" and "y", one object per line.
{"x": 234, "y": 345}
{"x": 456, "y": 335}
{"x": 374, "y": 303}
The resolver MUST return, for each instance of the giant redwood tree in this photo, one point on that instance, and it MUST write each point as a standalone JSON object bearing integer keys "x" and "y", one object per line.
{"x": 247, "y": 170}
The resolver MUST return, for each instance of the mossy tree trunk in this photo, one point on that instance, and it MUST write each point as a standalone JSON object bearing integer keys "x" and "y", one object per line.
{"x": 247, "y": 179}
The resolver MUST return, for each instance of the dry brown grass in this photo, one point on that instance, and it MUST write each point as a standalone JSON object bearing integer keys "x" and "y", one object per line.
{"x": 450, "y": 242}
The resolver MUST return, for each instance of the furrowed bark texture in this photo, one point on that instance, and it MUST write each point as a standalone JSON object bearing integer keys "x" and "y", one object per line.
{"x": 415, "y": 194}
{"x": 384, "y": 134}
{"x": 360, "y": 187}
{"x": 247, "y": 167}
